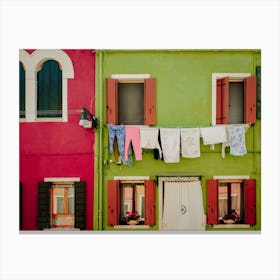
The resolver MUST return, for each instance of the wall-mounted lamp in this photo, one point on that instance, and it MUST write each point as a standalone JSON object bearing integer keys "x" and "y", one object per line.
{"x": 85, "y": 122}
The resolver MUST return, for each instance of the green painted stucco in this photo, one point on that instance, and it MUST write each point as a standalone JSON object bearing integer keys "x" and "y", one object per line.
{"x": 183, "y": 98}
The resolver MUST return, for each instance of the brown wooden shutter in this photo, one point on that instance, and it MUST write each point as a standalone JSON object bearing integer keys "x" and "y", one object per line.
{"x": 222, "y": 101}
{"x": 250, "y": 99}
{"x": 111, "y": 101}
{"x": 80, "y": 205}
{"x": 150, "y": 202}
{"x": 258, "y": 75}
{"x": 212, "y": 202}
{"x": 150, "y": 101}
{"x": 250, "y": 201}
{"x": 219, "y": 102}
{"x": 43, "y": 210}
{"x": 113, "y": 202}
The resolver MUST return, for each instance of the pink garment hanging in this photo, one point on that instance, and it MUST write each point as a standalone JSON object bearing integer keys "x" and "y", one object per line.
{"x": 132, "y": 134}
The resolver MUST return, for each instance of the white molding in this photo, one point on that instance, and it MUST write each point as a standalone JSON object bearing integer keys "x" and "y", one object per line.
{"x": 62, "y": 179}
{"x": 31, "y": 64}
{"x": 130, "y": 76}
{"x": 231, "y": 177}
{"x": 216, "y": 76}
{"x": 136, "y": 178}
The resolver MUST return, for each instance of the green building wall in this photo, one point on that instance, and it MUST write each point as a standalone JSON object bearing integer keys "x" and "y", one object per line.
{"x": 183, "y": 99}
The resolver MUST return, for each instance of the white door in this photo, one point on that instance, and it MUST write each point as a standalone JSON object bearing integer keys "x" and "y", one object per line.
{"x": 182, "y": 206}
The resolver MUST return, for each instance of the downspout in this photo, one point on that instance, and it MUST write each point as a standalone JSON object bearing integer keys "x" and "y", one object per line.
{"x": 100, "y": 187}
{"x": 98, "y": 195}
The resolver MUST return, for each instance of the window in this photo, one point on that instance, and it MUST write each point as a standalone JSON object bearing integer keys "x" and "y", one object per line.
{"x": 46, "y": 81}
{"x": 49, "y": 90}
{"x": 235, "y": 98}
{"x": 61, "y": 205}
{"x": 231, "y": 201}
{"x": 132, "y": 200}
{"x": 133, "y": 196}
{"x": 131, "y": 100}
{"x": 131, "y": 103}
{"x": 21, "y": 91}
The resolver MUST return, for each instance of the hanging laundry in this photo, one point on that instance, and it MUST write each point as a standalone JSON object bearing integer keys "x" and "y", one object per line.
{"x": 213, "y": 135}
{"x": 190, "y": 142}
{"x": 129, "y": 162}
{"x": 170, "y": 141}
{"x": 236, "y": 139}
{"x": 132, "y": 135}
{"x": 116, "y": 158}
{"x": 149, "y": 138}
{"x": 117, "y": 131}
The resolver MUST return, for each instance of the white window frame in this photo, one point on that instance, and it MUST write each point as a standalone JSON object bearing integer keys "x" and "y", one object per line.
{"x": 216, "y": 76}
{"x": 31, "y": 64}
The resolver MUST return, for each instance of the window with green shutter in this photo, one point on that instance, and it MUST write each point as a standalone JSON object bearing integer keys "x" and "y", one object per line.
{"x": 61, "y": 205}
{"x": 49, "y": 90}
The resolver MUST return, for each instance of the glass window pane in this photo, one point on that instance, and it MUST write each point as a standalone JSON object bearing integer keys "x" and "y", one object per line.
{"x": 131, "y": 103}
{"x": 223, "y": 201}
{"x": 71, "y": 202}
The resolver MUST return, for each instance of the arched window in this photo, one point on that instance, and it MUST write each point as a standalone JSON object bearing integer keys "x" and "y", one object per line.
{"x": 49, "y": 90}
{"x": 21, "y": 91}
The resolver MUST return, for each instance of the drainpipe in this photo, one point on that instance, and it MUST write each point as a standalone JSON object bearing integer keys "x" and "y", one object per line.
{"x": 100, "y": 187}
{"x": 98, "y": 178}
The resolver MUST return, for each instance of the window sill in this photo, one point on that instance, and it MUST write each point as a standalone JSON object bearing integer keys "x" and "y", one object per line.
{"x": 133, "y": 227}
{"x": 61, "y": 229}
{"x": 232, "y": 226}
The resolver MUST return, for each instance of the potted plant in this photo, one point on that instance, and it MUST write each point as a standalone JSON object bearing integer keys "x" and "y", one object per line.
{"x": 231, "y": 218}
{"x": 132, "y": 217}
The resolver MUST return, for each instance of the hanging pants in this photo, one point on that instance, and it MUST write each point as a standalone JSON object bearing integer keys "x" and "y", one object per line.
{"x": 132, "y": 134}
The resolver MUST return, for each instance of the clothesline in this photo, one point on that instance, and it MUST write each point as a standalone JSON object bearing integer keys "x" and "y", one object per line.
{"x": 173, "y": 142}
{"x": 182, "y": 126}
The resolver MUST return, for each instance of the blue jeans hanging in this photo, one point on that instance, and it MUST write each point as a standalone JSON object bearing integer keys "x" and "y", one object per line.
{"x": 119, "y": 132}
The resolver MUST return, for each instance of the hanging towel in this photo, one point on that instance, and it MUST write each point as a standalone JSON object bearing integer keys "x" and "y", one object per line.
{"x": 213, "y": 135}
{"x": 190, "y": 142}
{"x": 149, "y": 138}
{"x": 236, "y": 139}
{"x": 170, "y": 142}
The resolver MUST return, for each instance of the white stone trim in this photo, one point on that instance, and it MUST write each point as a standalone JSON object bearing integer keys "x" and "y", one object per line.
{"x": 132, "y": 178}
{"x": 130, "y": 76}
{"x": 233, "y": 177}
{"x": 62, "y": 179}
{"x": 31, "y": 64}
{"x": 216, "y": 76}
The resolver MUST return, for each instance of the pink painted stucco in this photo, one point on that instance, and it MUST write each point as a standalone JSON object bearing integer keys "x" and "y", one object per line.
{"x": 60, "y": 149}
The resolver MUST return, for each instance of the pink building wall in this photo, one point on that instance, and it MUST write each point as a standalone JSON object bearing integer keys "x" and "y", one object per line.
{"x": 60, "y": 149}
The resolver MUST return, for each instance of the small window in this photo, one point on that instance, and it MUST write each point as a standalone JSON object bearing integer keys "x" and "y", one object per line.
{"x": 231, "y": 204}
{"x": 61, "y": 205}
{"x": 49, "y": 90}
{"x": 131, "y": 101}
{"x": 21, "y": 91}
{"x": 235, "y": 100}
{"x": 231, "y": 201}
{"x": 132, "y": 197}
{"x": 133, "y": 200}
